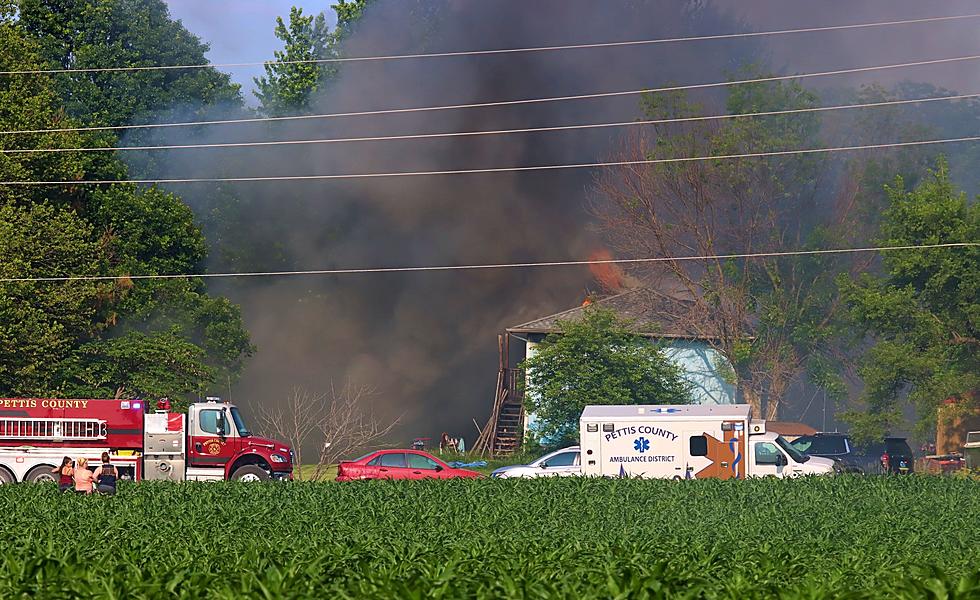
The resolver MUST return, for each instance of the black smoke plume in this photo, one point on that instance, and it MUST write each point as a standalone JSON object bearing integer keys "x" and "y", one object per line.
{"x": 426, "y": 342}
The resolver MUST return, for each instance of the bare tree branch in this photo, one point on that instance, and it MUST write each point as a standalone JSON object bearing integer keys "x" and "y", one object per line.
{"x": 350, "y": 424}
{"x": 746, "y": 310}
{"x": 294, "y": 420}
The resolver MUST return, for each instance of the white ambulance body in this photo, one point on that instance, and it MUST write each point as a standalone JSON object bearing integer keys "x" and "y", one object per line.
{"x": 687, "y": 442}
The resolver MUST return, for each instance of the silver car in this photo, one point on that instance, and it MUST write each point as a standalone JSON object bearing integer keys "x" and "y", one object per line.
{"x": 560, "y": 463}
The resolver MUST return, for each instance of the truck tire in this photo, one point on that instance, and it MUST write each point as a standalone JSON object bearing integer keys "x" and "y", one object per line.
{"x": 6, "y": 477}
{"x": 40, "y": 474}
{"x": 250, "y": 473}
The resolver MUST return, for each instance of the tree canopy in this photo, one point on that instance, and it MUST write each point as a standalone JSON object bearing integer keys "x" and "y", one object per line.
{"x": 80, "y": 34}
{"x": 766, "y": 316}
{"x": 598, "y": 360}
{"x": 290, "y": 84}
{"x": 97, "y": 337}
{"x": 922, "y": 313}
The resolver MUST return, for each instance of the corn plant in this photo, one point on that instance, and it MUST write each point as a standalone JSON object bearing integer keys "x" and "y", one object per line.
{"x": 848, "y": 537}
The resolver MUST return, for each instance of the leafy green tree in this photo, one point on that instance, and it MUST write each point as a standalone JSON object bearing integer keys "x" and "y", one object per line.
{"x": 79, "y": 34}
{"x": 60, "y": 337}
{"x": 162, "y": 364}
{"x": 40, "y": 323}
{"x": 923, "y": 313}
{"x": 598, "y": 360}
{"x": 288, "y": 87}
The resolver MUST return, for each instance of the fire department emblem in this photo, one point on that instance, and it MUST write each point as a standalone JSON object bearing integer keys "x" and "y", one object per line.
{"x": 213, "y": 446}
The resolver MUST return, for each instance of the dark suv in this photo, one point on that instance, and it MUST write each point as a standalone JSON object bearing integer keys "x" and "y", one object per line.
{"x": 892, "y": 455}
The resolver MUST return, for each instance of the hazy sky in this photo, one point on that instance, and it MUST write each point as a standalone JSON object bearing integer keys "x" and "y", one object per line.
{"x": 240, "y": 30}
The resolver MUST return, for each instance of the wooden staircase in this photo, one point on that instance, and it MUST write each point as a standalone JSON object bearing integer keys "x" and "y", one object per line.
{"x": 504, "y": 432}
{"x": 509, "y": 428}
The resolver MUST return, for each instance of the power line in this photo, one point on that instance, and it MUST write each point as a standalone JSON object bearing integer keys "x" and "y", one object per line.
{"x": 592, "y": 165}
{"x": 497, "y": 131}
{"x": 700, "y": 38}
{"x": 470, "y": 267}
{"x": 390, "y": 111}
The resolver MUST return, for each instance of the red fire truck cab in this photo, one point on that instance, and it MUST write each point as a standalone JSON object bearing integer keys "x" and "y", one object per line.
{"x": 210, "y": 442}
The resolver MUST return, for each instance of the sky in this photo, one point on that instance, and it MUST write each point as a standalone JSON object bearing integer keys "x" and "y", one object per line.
{"x": 240, "y": 30}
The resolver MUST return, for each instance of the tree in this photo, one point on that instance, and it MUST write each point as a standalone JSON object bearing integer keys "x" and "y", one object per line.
{"x": 80, "y": 34}
{"x": 136, "y": 365}
{"x": 165, "y": 337}
{"x": 771, "y": 318}
{"x": 923, "y": 313}
{"x": 289, "y": 87}
{"x": 40, "y": 323}
{"x": 598, "y": 360}
{"x": 339, "y": 422}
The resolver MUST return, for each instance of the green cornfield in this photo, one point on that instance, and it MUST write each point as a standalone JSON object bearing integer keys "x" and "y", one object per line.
{"x": 841, "y": 537}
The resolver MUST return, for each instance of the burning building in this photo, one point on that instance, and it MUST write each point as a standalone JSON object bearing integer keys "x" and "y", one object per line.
{"x": 709, "y": 374}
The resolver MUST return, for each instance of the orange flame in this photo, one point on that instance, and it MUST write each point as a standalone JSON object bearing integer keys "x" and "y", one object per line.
{"x": 609, "y": 276}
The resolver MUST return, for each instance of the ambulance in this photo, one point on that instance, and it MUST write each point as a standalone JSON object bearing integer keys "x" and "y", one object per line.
{"x": 687, "y": 442}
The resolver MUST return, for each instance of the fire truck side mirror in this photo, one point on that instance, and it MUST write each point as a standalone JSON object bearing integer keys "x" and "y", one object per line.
{"x": 220, "y": 422}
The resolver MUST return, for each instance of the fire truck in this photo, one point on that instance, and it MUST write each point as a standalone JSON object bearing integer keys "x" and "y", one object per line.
{"x": 209, "y": 442}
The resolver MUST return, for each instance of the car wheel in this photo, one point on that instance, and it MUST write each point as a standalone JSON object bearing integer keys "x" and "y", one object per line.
{"x": 250, "y": 473}
{"x": 40, "y": 474}
{"x": 6, "y": 476}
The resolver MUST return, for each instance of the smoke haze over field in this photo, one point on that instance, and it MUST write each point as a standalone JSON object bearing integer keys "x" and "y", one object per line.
{"x": 427, "y": 341}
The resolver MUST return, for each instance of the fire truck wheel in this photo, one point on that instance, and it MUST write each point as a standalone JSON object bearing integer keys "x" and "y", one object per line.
{"x": 6, "y": 476}
{"x": 250, "y": 473}
{"x": 40, "y": 474}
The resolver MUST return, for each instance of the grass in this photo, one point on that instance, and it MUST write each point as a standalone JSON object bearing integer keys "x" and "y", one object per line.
{"x": 846, "y": 537}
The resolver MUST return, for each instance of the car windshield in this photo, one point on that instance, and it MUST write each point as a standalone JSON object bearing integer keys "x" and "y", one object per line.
{"x": 820, "y": 445}
{"x": 789, "y": 449}
{"x": 243, "y": 431}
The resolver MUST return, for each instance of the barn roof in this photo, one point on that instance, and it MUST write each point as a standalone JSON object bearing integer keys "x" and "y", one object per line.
{"x": 647, "y": 308}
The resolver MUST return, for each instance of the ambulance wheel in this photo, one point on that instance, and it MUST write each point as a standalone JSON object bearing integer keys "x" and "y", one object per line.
{"x": 40, "y": 474}
{"x": 250, "y": 473}
{"x": 6, "y": 476}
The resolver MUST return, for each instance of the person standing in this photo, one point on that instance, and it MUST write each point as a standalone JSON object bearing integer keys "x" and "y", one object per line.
{"x": 65, "y": 473}
{"x": 84, "y": 479}
{"x": 105, "y": 477}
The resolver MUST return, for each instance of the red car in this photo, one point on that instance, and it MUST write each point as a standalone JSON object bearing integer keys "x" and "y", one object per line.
{"x": 399, "y": 464}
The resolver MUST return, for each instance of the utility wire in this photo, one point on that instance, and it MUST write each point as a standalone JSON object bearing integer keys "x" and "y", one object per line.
{"x": 700, "y": 38}
{"x": 390, "y": 111}
{"x": 471, "y": 267}
{"x": 496, "y": 131}
{"x": 621, "y": 163}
